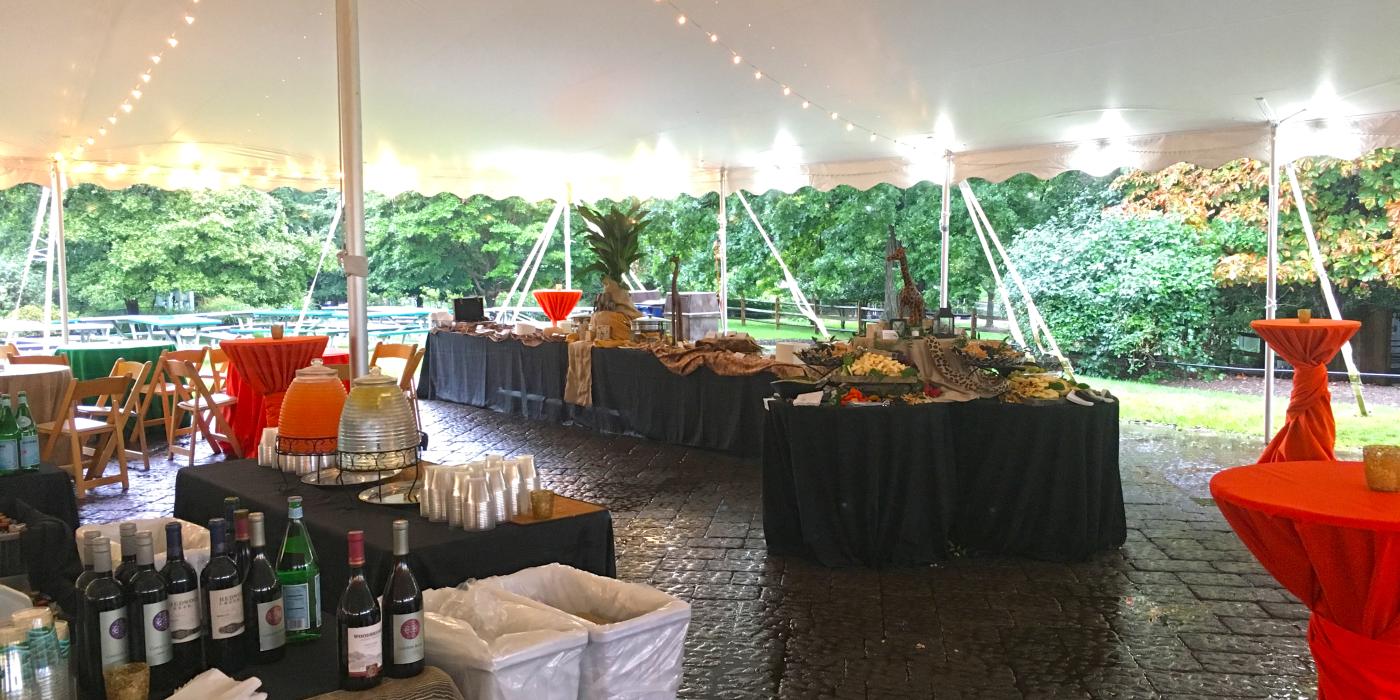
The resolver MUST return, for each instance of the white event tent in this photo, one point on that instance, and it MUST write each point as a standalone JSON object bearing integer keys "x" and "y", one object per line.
{"x": 659, "y": 97}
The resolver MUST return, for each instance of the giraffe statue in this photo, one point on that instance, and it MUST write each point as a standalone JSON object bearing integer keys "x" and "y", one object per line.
{"x": 911, "y": 302}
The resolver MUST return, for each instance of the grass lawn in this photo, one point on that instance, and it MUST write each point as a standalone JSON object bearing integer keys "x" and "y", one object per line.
{"x": 1235, "y": 413}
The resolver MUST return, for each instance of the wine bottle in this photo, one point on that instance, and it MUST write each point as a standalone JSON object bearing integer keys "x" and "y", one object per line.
{"x": 262, "y": 600}
{"x": 80, "y": 585}
{"x": 300, "y": 576}
{"x": 242, "y": 549}
{"x": 9, "y": 438}
{"x": 230, "y": 505}
{"x": 105, "y": 625}
{"x": 148, "y": 608}
{"x": 28, "y": 435}
{"x": 222, "y": 598}
{"x": 361, "y": 628}
{"x": 403, "y": 611}
{"x": 127, "y": 568}
{"x": 182, "y": 588}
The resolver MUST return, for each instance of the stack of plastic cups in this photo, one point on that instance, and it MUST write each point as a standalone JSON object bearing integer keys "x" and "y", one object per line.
{"x": 459, "y": 495}
{"x": 496, "y": 482}
{"x": 425, "y": 489}
{"x": 511, "y": 476}
{"x": 441, "y": 494}
{"x": 527, "y": 480}
{"x": 478, "y": 510}
{"x": 43, "y": 658}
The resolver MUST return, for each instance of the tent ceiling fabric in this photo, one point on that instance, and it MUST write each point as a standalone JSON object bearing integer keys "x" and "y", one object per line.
{"x": 516, "y": 98}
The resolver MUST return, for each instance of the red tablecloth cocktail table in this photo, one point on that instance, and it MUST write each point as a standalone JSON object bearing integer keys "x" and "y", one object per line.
{"x": 259, "y": 372}
{"x": 1335, "y": 544}
{"x": 1308, "y": 432}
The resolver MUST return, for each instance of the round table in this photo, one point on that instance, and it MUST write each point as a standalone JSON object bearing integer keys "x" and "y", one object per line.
{"x": 94, "y": 360}
{"x": 1335, "y": 544}
{"x": 259, "y": 372}
{"x": 43, "y": 384}
{"x": 1308, "y": 432}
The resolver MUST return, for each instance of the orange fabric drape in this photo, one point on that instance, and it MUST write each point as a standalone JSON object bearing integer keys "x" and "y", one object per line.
{"x": 260, "y": 370}
{"x": 1308, "y": 431}
{"x": 1335, "y": 544}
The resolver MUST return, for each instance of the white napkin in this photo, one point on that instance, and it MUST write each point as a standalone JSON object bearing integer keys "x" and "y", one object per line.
{"x": 214, "y": 685}
{"x": 811, "y": 398}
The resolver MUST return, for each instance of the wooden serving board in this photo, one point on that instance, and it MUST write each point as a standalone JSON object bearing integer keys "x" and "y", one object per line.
{"x": 564, "y": 507}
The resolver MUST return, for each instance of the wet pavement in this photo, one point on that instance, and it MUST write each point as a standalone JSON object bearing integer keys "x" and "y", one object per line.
{"x": 1181, "y": 610}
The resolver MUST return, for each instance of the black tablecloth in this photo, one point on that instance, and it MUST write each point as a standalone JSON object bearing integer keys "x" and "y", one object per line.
{"x": 49, "y": 491}
{"x": 897, "y": 485}
{"x": 633, "y": 393}
{"x": 441, "y": 556}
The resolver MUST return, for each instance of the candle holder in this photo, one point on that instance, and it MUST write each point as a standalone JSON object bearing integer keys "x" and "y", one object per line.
{"x": 542, "y": 504}
{"x": 1382, "y": 467}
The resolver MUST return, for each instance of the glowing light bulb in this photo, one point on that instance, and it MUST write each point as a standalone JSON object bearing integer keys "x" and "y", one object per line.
{"x": 786, "y": 91}
{"x": 173, "y": 42}
{"x": 714, "y": 38}
{"x": 136, "y": 94}
{"x": 91, "y": 140}
{"x": 126, "y": 107}
{"x": 834, "y": 116}
{"x": 758, "y": 75}
{"x": 806, "y": 104}
{"x": 680, "y": 19}
{"x": 872, "y": 138}
{"x": 146, "y": 77}
{"x": 189, "y": 19}
{"x": 57, "y": 155}
{"x": 155, "y": 60}
{"x": 738, "y": 59}
{"x": 112, "y": 119}
{"x": 850, "y": 126}
{"x": 102, "y": 131}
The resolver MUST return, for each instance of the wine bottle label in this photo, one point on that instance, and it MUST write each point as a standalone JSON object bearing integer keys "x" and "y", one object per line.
{"x": 296, "y": 606}
{"x": 184, "y": 617}
{"x": 226, "y": 613}
{"x": 272, "y": 631}
{"x": 156, "y": 617}
{"x": 408, "y": 638}
{"x": 364, "y": 650}
{"x": 28, "y": 451}
{"x": 111, "y": 628}
{"x": 9, "y": 455}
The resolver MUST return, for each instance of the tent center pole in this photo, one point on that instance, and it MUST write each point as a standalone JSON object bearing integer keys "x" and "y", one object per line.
{"x": 1271, "y": 280}
{"x": 347, "y": 55}
{"x": 59, "y": 249}
{"x": 944, "y": 218}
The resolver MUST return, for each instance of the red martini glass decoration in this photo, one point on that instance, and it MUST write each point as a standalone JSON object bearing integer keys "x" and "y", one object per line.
{"x": 558, "y": 303}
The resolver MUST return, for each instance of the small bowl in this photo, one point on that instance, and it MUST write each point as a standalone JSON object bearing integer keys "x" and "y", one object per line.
{"x": 1382, "y": 467}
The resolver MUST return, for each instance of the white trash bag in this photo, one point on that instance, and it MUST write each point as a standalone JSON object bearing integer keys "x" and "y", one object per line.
{"x": 499, "y": 650}
{"x": 636, "y": 634}
{"x": 195, "y": 537}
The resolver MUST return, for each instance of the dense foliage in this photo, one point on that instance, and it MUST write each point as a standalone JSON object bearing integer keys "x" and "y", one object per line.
{"x": 1144, "y": 266}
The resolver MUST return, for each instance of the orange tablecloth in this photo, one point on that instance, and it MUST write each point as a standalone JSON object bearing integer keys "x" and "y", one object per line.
{"x": 1336, "y": 545}
{"x": 1309, "y": 431}
{"x": 259, "y": 372}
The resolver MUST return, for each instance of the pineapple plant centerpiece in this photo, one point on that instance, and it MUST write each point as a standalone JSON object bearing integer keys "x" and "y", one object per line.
{"x": 615, "y": 239}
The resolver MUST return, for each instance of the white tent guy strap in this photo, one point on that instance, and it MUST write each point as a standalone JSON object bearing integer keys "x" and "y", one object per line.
{"x": 620, "y": 97}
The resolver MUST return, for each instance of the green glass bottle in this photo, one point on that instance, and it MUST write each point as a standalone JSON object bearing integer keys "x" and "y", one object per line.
{"x": 300, "y": 576}
{"x": 9, "y": 438}
{"x": 28, "y": 436}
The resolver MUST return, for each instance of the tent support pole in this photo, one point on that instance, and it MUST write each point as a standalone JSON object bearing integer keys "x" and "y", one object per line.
{"x": 320, "y": 262}
{"x": 944, "y": 218}
{"x": 58, "y": 249}
{"x": 1011, "y": 322}
{"x": 524, "y": 267}
{"x": 723, "y": 217}
{"x": 352, "y": 162}
{"x": 568, "y": 237}
{"x": 1325, "y": 281}
{"x": 539, "y": 257}
{"x": 1271, "y": 280}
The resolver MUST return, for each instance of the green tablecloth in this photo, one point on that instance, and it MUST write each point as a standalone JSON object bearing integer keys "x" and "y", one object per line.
{"x": 93, "y": 360}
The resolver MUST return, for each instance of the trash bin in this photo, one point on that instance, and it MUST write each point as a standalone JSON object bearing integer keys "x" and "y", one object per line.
{"x": 636, "y": 634}
{"x": 196, "y": 540}
{"x": 499, "y": 650}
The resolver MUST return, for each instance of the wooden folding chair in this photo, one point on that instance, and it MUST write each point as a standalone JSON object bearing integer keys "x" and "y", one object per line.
{"x": 161, "y": 389}
{"x": 215, "y": 371}
{"x": 88, "y": 463}
{"x": 203, "y": 407}
{"x": 401, "y": 353}
{"x": 135, "y": 405}
{"x": 39, "y": 360}
{"x": 9, "y": 350}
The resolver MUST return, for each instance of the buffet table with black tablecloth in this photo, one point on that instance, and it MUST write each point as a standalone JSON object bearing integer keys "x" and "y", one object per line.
{"x": 633, "y": 392}
{"x": 48, "y": 490}
{"x": 440, "y": 556}
{"x": 897, "y": 485}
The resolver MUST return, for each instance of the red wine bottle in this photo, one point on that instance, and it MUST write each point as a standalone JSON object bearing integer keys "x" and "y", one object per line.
{"x": 361, "y": 628}
{"x": 262, "y": 600}
{"x": 222, "y": 601}
{"x": 403, "y": 613}
{"x": 127, "y": 567}
{"x": 182, "y": 590}
{"x": 148, "y": 609}
{"x": 104, "y": 625}
{"x": 80, "y": 585}
{"x": 242, "y": 549}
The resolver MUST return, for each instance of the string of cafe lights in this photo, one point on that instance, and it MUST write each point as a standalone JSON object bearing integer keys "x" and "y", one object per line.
{"x": 133, "y": 96}
{"x": 785, "y": 89}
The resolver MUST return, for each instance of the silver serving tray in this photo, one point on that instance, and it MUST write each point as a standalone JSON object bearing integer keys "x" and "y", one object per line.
{"x": 399, "y": 493}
